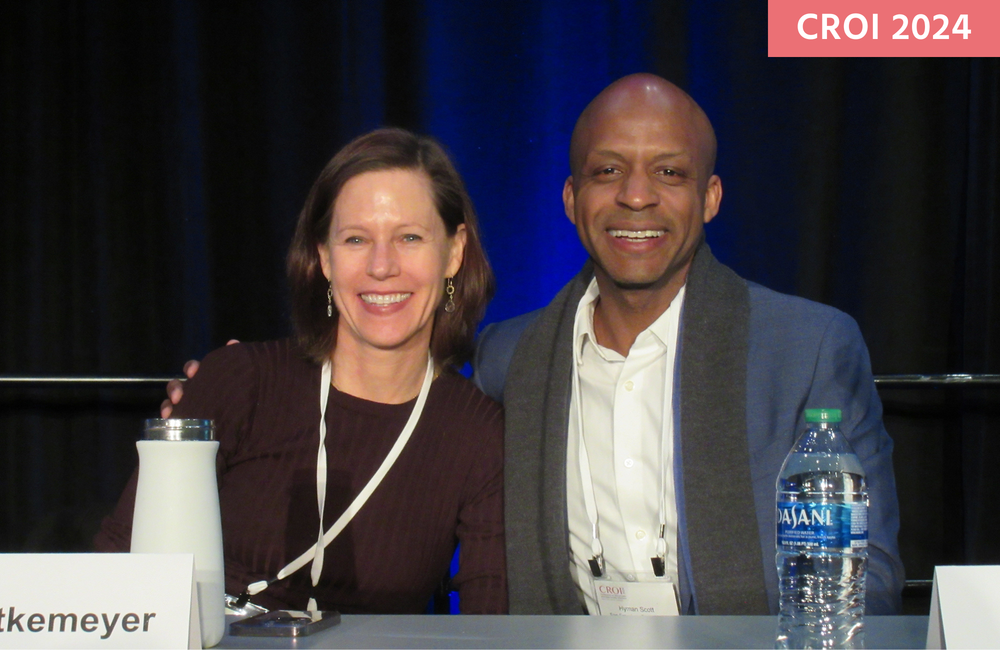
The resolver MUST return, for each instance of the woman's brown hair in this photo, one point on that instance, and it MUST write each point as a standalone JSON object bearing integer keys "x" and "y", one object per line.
{"x": 380, "y": 150}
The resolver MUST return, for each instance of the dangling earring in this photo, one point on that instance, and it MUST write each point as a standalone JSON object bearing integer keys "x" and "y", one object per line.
{"x": 450, "y": 290}
{"x": 329, "y": 301}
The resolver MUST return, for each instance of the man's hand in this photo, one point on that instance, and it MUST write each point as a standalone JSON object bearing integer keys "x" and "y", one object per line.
{"x": 175, "y": 387}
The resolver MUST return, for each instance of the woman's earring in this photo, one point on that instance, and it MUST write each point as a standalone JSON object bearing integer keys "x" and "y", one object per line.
{"x": 449, "y": 289}
{"x": 329, "y": 301}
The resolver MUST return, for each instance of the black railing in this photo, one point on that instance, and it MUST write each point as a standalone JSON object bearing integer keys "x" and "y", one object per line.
{"x": 41, "y": 380}
{"x": 935, "y": 381}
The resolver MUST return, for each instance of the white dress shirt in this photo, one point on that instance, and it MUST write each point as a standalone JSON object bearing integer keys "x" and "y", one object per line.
{"x": 625, "y": 405}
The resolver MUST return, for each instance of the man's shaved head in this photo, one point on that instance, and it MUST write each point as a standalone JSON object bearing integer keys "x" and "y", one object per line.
{"x": 653, "y": 97}
{"x": 642, "y": 189}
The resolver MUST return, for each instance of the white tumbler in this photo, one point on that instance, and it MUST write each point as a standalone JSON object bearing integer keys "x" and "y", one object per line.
{"x": 177, "y": 509}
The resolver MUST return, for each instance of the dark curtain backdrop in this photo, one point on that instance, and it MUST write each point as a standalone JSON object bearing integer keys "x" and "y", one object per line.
{"x": 155, "y": 156}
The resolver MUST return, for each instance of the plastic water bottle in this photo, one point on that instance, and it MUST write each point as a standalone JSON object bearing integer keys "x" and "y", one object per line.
{"x": 822, "y": 539}
{"x": 177, "y": 509}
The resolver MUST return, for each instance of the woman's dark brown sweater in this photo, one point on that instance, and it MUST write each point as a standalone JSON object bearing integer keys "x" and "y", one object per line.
{"x": 446, "y": 486}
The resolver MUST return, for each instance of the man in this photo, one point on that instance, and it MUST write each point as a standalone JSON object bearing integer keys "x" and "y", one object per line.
{"x": 651, "y": 404}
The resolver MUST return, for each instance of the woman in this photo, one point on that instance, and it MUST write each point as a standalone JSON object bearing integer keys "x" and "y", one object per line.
{"x": 388, "y": 280}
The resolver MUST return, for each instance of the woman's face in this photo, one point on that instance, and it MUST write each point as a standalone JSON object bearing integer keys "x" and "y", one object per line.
{"x": 388, "y": 255}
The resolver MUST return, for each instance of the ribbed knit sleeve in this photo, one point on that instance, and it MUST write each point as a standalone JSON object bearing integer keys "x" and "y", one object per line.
{"x": 231, "y": 376}
{"x": 482, "y": 575}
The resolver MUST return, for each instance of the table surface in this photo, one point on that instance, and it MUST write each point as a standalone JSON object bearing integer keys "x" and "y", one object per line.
{"x": 572, "y": 632}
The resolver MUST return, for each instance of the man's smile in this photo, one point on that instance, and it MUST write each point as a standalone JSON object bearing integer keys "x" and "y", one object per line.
{"x": 636, "y": 235}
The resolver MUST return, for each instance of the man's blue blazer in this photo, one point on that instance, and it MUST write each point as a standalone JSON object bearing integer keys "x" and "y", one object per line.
{"x": 750, "y": 361}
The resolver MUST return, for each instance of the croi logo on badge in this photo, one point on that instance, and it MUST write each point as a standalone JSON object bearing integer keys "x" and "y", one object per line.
{"x": 609, "y": 590}
{"x": 795, "y": 516}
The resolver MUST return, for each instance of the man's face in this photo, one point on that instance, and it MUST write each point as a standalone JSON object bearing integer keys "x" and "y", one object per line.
{"x": 641, "y": 193}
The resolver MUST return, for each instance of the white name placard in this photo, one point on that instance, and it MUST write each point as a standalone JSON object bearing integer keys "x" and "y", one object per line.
{"x": 965, "y": 607}
{"x": 98, "y": 600}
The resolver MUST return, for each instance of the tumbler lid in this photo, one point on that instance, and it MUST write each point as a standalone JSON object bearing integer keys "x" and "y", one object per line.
{"x": 178, "y": 429}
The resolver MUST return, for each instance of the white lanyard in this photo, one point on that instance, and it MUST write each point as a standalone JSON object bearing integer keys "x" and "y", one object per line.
{"x": 590, "y": 496}
{"x": 316, "y": 552}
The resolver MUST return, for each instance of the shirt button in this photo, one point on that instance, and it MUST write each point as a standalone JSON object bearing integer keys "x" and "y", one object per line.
{"x": 629, "y": 462}
{"x": 629, "y": 386}
{"x": 640, "y": 534}
{"x": 630, "y": 577}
